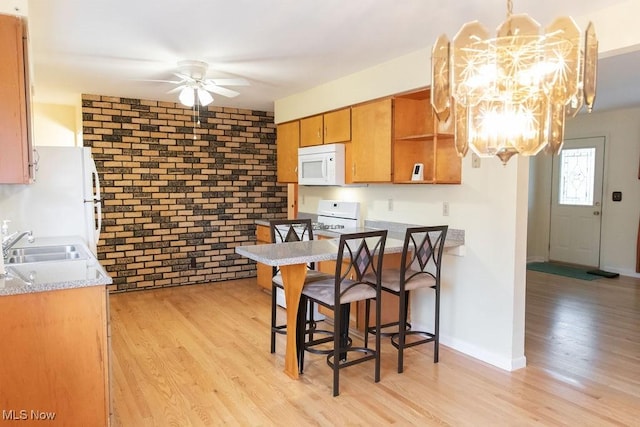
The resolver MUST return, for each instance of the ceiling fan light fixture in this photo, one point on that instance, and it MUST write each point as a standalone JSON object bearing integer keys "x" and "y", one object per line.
{"x": 187, "y": 96}
{"x": 204, "y": 97}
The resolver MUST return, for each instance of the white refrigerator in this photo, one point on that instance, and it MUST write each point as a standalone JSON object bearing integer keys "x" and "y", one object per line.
{"x": 63, "y": 201}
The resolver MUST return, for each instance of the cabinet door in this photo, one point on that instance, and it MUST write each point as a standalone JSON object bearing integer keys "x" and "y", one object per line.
{"x": 371, "y": 142}
{"x": 15, "y": 144}
{"x": 56, "y": 355}
{"x": 288, "y": 139}
{"x": 337, "y": 126}
{"x": 264, "y": 271}
{"x": 311, "y": 131}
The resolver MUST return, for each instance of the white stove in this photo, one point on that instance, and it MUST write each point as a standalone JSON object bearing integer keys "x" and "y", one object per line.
{"x": 334, "y": 214}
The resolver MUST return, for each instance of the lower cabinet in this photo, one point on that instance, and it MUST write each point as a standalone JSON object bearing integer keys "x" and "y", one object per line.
{"x": 54, "y": 357}
{"x": 264, "y": 272}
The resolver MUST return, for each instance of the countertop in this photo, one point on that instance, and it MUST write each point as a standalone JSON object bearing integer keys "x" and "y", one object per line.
{"x": 454, "y": 243}
{"x": 53, "y": 275}
{"x": 303, "y": 252}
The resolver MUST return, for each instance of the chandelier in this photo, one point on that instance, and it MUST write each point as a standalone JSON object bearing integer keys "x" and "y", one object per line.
{"x": 510, "y": 94}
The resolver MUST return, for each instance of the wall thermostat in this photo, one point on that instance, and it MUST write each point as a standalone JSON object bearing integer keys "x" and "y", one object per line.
{"x": 418, "y": 172}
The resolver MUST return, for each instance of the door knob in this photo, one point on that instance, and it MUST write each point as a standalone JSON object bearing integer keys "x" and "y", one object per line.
{"x": 596, "y": 213}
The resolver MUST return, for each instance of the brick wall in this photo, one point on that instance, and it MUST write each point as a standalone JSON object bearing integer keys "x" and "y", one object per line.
{"x": 174, "y": 208}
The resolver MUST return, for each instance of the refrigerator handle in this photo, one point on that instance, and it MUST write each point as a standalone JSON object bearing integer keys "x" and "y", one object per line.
{"x": 96, "y": 231}
{"x": 96, "y": 180}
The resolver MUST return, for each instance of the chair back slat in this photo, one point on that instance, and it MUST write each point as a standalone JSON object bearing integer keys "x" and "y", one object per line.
{"x": 422, "y": 251}
{"x": 290, "y": 230}
{"x": 358, "y": 251}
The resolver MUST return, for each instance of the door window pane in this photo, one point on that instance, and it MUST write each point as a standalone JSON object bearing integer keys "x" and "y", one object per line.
{"x": 577, "y": 174}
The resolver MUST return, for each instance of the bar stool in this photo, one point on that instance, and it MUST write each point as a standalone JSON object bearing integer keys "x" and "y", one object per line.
{"x": 420, "y": 268}
{"x": 357, "y": 278}
{"x": 291, "y": 230}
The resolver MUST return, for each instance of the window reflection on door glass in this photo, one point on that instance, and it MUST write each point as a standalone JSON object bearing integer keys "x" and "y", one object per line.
{"x": 577, "y": 175}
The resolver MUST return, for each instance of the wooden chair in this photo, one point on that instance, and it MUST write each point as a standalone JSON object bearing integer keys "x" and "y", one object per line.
{"x": 420, "y": 268}
{"x": 359, "y": 255}
{"x": 291, "y": 230}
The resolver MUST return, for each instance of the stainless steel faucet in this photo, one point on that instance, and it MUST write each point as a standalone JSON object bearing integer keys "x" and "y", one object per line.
{"x": 10, "y": 241}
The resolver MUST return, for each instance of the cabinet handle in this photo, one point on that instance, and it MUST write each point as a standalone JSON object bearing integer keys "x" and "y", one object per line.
{"x": 353, "y": 169}
{"x": 295, "y": 169}
{"x": 318, "y": 133}
{"x": 325, "y": 131}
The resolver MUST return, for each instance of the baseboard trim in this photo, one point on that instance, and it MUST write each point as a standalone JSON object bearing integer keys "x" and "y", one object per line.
{"x": 497, "y": 360}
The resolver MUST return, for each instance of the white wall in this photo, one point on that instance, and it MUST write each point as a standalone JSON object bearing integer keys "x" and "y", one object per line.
{"x": 14, "y": 7}
{"x": 621, "y": 130}
{"x": 483, "y": 292}
{"x": 58, "y": 125}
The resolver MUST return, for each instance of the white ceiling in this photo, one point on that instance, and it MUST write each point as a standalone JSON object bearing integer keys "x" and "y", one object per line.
{"x": 110, "y": 47}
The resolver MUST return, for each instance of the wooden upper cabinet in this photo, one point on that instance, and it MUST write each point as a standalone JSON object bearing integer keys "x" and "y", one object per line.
{"x": 287, "y": 142}
{"x": 337, "y": 126}
{"x": 371, "y": 125}
{"x": 418, "y": 137}
{"x": 311, "y": 131}
{"x": 15, "y": 137}
{"x": 383, "y": 138}
{"x": 327, "y": 128}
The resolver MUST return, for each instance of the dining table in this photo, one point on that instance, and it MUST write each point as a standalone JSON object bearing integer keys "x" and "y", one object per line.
{"x": 292, "y": 258}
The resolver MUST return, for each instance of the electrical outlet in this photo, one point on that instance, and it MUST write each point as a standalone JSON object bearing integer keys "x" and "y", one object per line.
{"x": 445, "y": 208}
{"x": 475, "y": 160}
{"x": 390, "y": 204}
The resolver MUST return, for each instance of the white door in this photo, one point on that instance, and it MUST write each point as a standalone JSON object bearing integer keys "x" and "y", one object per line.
{"x": 576, "y": 202}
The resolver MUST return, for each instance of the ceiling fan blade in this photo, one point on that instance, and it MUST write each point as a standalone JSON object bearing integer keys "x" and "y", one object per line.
{"x": 221, "y": 90}
{"x": 228, "y": 82}
{"x": 184, "y": 77}
{"x": 177, "y": 89}
{"x": 175, "y": 82}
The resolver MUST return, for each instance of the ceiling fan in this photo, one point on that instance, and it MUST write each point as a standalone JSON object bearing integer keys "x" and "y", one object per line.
{"x": 194, "y": 84}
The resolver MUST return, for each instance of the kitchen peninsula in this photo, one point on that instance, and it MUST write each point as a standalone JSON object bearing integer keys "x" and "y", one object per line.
{"x": 293, "y": 257}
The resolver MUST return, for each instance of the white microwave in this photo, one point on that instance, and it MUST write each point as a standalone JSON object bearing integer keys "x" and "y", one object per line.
{"x": 321, "y": 165}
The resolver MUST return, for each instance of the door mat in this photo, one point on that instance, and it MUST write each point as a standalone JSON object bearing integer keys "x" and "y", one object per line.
{"x": 603, "y": 273}
{"x": 561, "y": 270}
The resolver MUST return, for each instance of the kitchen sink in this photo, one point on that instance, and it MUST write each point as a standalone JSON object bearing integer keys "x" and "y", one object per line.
{"x": 45, "y": 253}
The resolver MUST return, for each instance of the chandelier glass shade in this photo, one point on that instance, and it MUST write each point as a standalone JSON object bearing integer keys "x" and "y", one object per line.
{"x": 510, "y": 94}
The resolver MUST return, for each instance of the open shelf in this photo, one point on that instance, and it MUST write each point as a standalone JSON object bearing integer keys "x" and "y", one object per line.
{"x": 418, "y": 137}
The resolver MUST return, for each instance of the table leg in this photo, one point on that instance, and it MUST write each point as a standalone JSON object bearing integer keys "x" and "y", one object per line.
{"x": 293, "y": 279}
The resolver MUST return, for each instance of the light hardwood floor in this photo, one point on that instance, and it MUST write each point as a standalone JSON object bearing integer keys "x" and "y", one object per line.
{"x": 199, "y": 356}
